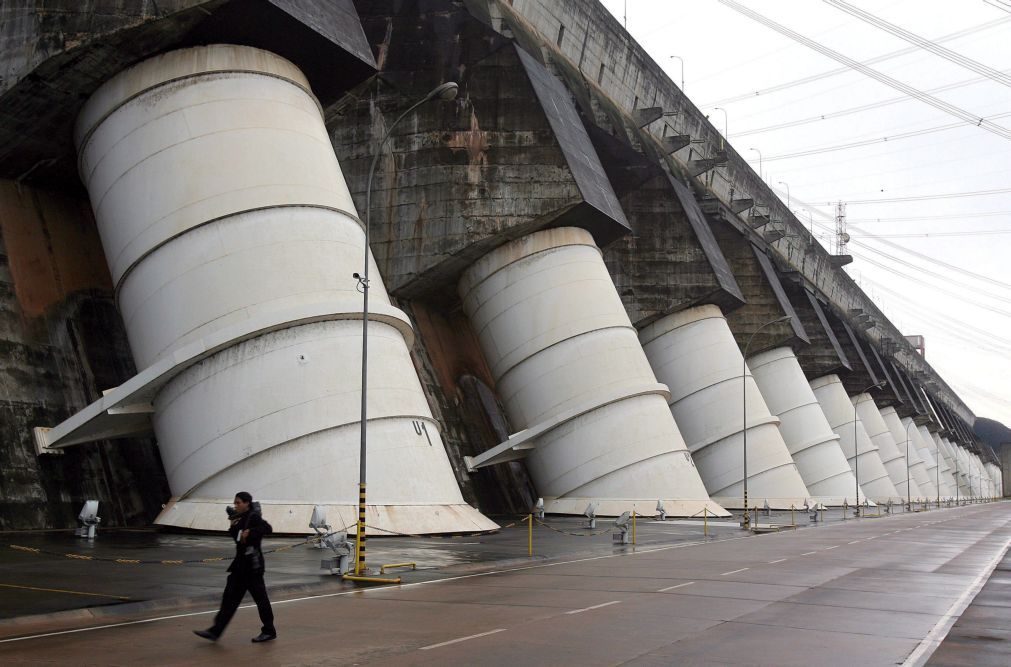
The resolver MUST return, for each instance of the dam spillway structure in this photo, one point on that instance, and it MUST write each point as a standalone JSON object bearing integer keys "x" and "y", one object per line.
{"x": 813, "y": 444}
{"x": 844, "y": 420}
{"x": 694, "y": 353}
{"x": 877, "y": 430}
{"x": 563, "y": 121}
{"x": 594, "y": 423}
{"x": 231, "y": 238}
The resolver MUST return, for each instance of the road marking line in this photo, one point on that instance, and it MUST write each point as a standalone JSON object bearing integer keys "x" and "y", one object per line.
{"x": 809, "y": 553}
{"x": 773, "y": 562}
{"x": 827, "y": 548}
{"x": 923, "y": 651}
{"x": 854, "y": 541}
{"x": 670, "y": 588}
{"x": 735, "y": 571}
{"x": 596, "y": 606}
{"x": 63, "y": 590}
{"x": 462, "y": 639}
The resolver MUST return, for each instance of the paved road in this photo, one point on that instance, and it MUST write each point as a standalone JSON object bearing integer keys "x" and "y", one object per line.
{"x": 872, "y": 592}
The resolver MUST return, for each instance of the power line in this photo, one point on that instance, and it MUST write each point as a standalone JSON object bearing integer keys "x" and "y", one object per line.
{"x": 842, "y": 70}
{"x": 951, "y": 267}
{"x": 925, "y": 218}
{"x": 916, "y": 40}
{"x": 941, "y": 105}
{"x": 948, "y": 195}
{"x": 870, "y": 142}
{"x": 853, "y": 110}
{"x": 924, "y": 235}
{"x": 932, "y": 274}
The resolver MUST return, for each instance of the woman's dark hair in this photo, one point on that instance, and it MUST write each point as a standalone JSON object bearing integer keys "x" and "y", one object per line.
{"x": 244, "y": 496}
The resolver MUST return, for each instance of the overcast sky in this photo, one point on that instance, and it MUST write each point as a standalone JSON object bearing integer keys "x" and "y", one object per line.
{"x": 941, "y": 263}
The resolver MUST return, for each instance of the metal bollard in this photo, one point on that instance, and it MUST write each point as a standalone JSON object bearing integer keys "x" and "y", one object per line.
{"x": 530, "y": 534}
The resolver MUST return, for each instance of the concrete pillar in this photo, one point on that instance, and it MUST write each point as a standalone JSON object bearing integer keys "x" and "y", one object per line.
{"x": 891, "y": 457}
{"x": 229, "y": 229}
{"x": 962, "y": 476}
{"x": 904, "y": 446}
{"x": 813, "y": 444}
{"x": 927, "y": 483}
{"x": 568, "y": 365}
{"x": 694, "y": 353}
{"x": 842, "y": 417}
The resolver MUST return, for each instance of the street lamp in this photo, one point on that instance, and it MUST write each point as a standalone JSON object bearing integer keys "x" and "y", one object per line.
{"x": 445, "y": 91}
{"x": 744, "y": 408}
{"x": 909, "y": 496}
{"x": 681, "y": 60}
{"x": 787, "y": 191}
{"x": 759, "y": 162}
{"x": 726, "y": 126}
{"x": 856, "y": 441}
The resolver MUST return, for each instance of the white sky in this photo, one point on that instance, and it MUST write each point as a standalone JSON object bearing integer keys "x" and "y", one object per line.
{"x": 957, "y": 290}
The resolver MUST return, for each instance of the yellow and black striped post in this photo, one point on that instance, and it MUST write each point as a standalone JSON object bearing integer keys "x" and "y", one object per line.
{"x": 360, "y": 532}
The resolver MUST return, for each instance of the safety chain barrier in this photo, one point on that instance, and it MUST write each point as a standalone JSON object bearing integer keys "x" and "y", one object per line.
{"x": 139, "y": 561}
{"x": 572, "y": 534}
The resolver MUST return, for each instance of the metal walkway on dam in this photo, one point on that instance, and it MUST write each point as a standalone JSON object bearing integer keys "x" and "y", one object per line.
{"x": 875, "y": 591}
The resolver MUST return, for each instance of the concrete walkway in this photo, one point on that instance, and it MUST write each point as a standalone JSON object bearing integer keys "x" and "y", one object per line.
{"x": 869, "y": 592}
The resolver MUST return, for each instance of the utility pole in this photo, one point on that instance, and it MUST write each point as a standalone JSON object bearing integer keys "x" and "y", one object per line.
{"x": 841, "y": 237}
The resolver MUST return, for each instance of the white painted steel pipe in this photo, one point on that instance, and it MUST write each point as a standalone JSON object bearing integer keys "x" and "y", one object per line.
{"x": 891, "y": 457}
{"x": 564, "y": 354}
{"x": 894, "y": 425}
{"x": 942, "y": 462}
{"x": 927, "y": 484}
{"x": 694, "y": 353}
{"x": 874, "y": 479}
{"x": 220, "y": 202}
{"x": 813, "y": 444}
{"x": 945, "y": 447}
{"x": 928, "y": 452}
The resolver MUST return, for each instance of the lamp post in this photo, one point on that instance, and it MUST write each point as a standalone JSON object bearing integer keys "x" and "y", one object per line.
{"x": 760, "y": 175}
{"x": 909, "y": 496}
{"x": 682, "y": 61}
{"x": 787, "y": 191}
{"x": 856, "y": 441}
{"x": 955, "y": 457}
{"x": 445, "y": 91}
{"x": 726, "y": 125}
{"x": 744, "y": 408}
{"x": 937, "y": 472}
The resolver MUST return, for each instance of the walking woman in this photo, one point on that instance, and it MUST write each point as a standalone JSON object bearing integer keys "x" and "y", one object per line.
{"x": 246, "y": 571}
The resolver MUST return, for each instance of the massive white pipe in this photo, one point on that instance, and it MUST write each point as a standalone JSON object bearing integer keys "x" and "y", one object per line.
{"x": 962, "y": 471}
{"x": 813, "y": 444}
{"x": 569, "y": 367}
{"x": 842, "y": 417}
{"x": 927, "y": 483}
{"x": 977, "y": 469}
{"x": 928, "y": 452}
{"x": 942, "y": 463}
{"x": 229, "y": 230}
{"x": 694, "y": 353}
{"x": 944, "y": 446}
{"x": 893, "y": 459}
{"x": 904, "y": 446}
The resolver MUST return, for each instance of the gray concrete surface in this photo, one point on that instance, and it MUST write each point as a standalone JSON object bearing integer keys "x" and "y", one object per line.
{"x": 870, "y": 592}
